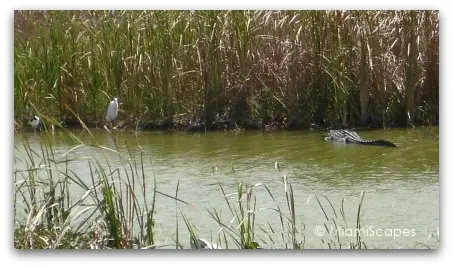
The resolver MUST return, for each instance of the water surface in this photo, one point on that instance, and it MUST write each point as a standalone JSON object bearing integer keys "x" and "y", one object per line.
{"x": 401, "y": 185}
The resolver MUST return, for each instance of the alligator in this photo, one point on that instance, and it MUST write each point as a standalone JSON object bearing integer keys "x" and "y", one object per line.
{"x": 351, "y": 137}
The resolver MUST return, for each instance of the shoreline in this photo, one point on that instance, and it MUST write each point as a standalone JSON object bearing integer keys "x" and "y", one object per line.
{"x": 198, "y": 127}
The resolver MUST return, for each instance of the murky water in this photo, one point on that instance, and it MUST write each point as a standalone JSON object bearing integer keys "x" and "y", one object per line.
{"x": 401, "y": 185}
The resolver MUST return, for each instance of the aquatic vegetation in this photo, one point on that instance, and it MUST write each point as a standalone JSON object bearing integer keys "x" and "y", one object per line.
{"x": 220, "y": 69}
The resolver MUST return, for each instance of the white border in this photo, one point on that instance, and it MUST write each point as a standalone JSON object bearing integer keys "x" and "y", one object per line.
{"x": 146, "y": 258}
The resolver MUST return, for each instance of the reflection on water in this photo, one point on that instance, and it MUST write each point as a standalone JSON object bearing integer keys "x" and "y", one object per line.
{"x": 401, "y": 185}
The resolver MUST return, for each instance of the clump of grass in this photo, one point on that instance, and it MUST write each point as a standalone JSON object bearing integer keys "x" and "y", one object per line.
{"x": 107, "y": 211}
{"x": 47, "y": 208}
{"x": 336, "y": 223}
{"x": 289, "y": 228}
{"x": 241, "y": 227}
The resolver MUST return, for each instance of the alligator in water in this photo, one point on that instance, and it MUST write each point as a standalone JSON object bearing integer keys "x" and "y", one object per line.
{"x": 351, "y": 137}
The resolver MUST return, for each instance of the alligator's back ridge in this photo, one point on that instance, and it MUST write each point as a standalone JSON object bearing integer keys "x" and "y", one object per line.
{"x": 351, "y": 137}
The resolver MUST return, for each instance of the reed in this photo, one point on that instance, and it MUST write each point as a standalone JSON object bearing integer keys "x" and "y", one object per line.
{"x": 229, "y": 68}
{"x": 337, "y": 227}
{"x": 105, "y": 213}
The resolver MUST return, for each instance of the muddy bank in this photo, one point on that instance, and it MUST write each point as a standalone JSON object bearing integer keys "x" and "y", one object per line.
{"x": 162, "y": 125}
{"x": 183, "y": 126}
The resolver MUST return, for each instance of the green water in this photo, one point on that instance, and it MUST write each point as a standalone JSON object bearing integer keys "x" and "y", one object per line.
{"x": 401, "y": 185}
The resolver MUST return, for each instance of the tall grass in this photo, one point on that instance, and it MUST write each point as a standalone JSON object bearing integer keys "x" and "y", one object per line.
{"x": 336, "y": 223}
{"x": 229, "y": 68}
{"x": 60, "y": 209}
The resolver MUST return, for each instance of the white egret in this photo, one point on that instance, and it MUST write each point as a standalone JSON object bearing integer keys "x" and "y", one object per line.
{"x": 112, "y": 111}
{"x": 34, "y": 122}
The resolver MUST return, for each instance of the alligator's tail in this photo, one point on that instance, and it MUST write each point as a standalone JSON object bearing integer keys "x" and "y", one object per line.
{"x": 378, "y": 143}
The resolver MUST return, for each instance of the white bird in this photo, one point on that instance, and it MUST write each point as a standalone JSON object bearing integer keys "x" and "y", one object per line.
{"x": 34, "y": 122}
{"x": 112, "y": 111}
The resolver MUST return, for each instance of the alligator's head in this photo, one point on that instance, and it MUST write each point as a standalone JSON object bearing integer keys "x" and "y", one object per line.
{"x": 383, "y": 143}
